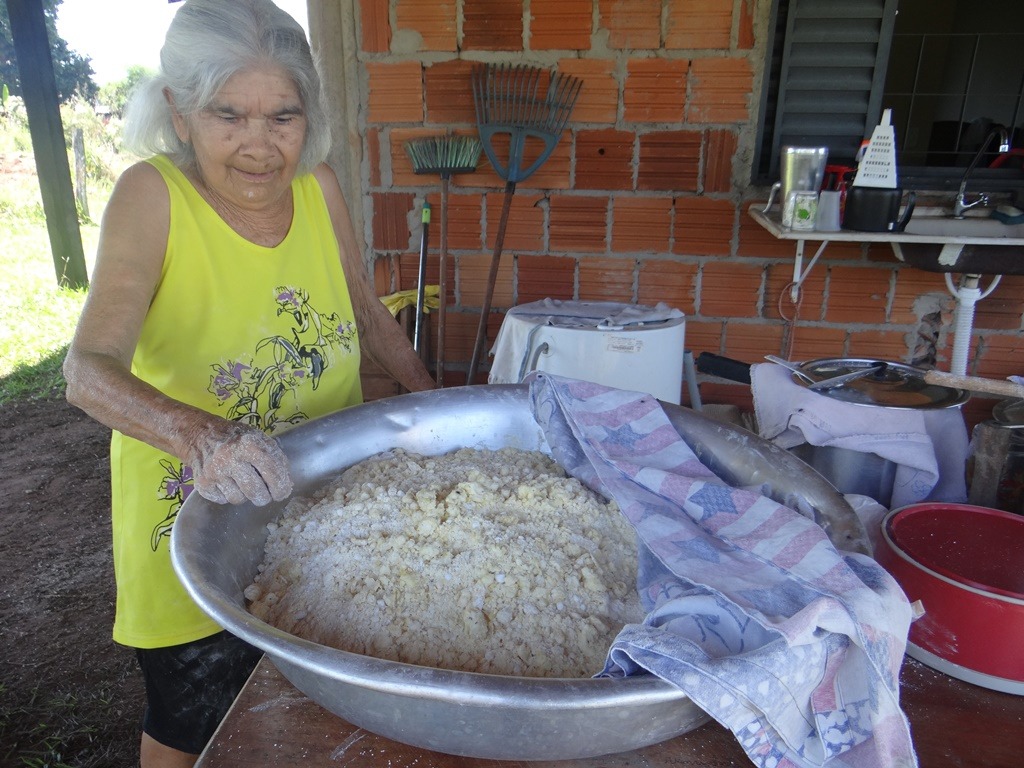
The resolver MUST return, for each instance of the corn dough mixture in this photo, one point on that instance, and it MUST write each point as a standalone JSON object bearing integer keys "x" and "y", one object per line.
{"x": 478, "y": 560}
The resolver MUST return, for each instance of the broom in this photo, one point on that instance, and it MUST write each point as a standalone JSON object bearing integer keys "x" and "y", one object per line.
{"x": 509, "y": 102}
{"x": 443, "y": 156}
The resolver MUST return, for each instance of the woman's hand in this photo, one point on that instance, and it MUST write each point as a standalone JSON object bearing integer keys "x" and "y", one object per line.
{"x": 232, "y": 463}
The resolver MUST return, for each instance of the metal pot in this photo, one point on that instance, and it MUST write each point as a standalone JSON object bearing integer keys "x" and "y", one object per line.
{"x": 859, "y": 472}
{"x": 215, "y": 551}
{"x": 894, "y": 385}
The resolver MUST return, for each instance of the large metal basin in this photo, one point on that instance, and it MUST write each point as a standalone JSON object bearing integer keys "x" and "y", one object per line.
{"x": 216, "y": 550}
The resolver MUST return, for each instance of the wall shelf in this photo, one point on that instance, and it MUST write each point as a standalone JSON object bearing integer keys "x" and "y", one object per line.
{"x": 968, "y": 294}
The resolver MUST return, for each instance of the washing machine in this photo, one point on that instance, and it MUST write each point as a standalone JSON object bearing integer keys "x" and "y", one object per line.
{"x": 626, "y": 346}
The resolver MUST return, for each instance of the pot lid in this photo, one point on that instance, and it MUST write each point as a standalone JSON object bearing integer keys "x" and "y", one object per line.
{"x": 894, "y": 385}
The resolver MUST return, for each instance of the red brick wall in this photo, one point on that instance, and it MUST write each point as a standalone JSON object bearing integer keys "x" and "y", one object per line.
{"x": 645, "y": 198}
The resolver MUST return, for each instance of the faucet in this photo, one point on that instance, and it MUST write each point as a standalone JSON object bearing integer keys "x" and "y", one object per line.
{"x": 960, "y": 204}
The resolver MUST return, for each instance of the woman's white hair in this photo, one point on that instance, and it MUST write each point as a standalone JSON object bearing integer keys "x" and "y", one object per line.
{"x": 207, "y": 42}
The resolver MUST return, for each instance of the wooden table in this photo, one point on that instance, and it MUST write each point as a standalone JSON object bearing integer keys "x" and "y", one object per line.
{"x": 272, "y": 724}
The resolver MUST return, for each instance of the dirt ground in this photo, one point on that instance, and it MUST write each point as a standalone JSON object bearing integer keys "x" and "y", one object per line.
{"x": 69, "y": 696}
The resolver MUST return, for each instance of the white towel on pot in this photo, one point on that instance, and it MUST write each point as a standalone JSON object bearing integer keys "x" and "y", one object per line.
{"x": 929, "y": 447}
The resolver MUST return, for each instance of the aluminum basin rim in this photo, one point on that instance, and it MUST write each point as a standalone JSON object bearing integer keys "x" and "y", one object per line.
{"x": 431, "y": 682}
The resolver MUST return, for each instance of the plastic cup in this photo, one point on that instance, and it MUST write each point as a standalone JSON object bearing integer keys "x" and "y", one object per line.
{"x": 827, "y": 216}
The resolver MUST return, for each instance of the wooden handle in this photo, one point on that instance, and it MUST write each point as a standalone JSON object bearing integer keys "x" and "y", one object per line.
{"x": 975, "y": 384}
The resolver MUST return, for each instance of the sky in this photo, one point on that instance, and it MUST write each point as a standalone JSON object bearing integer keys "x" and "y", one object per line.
{"x": 117, "y": 34}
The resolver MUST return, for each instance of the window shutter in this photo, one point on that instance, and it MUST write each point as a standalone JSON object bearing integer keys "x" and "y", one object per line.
{"x": 824, "y": 77}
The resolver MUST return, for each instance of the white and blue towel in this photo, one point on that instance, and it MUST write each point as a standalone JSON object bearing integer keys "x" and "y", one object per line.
{"x": 793, "y": 645}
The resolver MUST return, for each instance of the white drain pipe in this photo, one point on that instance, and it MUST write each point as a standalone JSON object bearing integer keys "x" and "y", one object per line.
{"x": 967, "y": 295}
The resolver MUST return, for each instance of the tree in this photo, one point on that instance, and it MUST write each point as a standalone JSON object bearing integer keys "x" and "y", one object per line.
{"x": 72, "y": 71}
{"x": 115, "y": 95}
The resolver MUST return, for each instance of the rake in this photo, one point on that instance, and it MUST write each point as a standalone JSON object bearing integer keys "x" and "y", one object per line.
{"x": 512, "y": 101}
{"x": 443, "y": 156}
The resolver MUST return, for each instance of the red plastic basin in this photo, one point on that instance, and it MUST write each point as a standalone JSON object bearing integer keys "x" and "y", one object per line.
{"x": 965, "y": 564}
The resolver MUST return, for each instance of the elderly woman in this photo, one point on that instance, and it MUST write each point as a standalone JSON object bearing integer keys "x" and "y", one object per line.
{"x": 228, "y": 302}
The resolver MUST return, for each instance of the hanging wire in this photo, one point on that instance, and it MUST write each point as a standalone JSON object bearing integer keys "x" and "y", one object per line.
{"x": 789, "y": 336}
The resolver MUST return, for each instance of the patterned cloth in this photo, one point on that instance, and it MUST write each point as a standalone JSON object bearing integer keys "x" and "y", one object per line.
{"x": 791, "y": 644}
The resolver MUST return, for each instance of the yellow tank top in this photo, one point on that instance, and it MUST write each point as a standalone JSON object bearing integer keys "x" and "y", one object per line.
{"x": 264, "y": 336}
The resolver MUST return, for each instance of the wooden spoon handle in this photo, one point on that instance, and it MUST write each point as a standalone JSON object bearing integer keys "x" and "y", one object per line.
{"x": 975, "y": 384}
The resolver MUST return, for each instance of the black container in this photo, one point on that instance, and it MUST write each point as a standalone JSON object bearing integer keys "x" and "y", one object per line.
{"x": 876, "y": 209}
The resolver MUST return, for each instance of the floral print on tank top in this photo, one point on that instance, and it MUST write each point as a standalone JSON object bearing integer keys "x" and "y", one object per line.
{"x": 260, "y": 388}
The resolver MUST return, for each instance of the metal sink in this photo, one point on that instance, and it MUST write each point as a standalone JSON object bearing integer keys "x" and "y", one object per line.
{"x": 976, "y": 244}
{"x": 968, "y": 229}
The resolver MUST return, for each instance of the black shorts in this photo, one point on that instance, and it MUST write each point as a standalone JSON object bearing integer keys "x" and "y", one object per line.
{"x": 190, "y": 687}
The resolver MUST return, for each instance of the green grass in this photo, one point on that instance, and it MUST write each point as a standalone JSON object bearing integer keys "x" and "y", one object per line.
{"x": 37, "y": 316}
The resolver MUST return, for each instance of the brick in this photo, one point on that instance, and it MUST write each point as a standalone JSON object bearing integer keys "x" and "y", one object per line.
{"x": 384, "y": 281}
{"x": 745, "y": 33}
{"x": 402, "y": 170}
{"x": 719, "y": 150}
{"x": 492, "y": 25}
{"x": 374, "y": 26}
{"x": 884, "y": 345}
{"x": 464, "y": 213}
{"x": 631, "y": 24}
{"x": 553, "y": 173}
{"x": 699, "y": 24}
{"x": 525, "y": 228}
{"x": 880, "y": 253}
{"x": 560, "y": 24}
{"x": 578, "y": 224}
{"x": 540, "y": 277}
{"x": 857, "y": 295}
{"x": 750, "y": 342}
{"x": 604, "y": 160}
{"x": 425, "y": 26}
{"x": 756, "y": 241}
{"x": 470, "y": 178}
{"x": 918, "y": 293}
{"x": 728, "y": 289}
{"x": 720, "y": 90}
{"x": 723, "y": 393}
{"x": 606, "y": 279}
{"x": 703, "y": 226}
{"x": 811, "y": 297}
{"x": 672, "y": 282}
{"x": 473, "y": 273}
{"x": 396, "y": 92}
{"x": 409, "y": 269}
{"x": 449, "y": 92}
{"x": 373, "y": 155}
{"x": 808, "y": 342}
{"x": 598, "y": 99}
{"x": 1001, "y": 310}
{"x": 655, "y": 90}
{"x": 556, "y": 171}
{"x": 460, "y": 333}
{"x": 704, "y": 336}
{"x": 669, "y": 161}
{"x": 391, "y": 220}
{"x": 641, "y": 224}
{"x": 853, "y": 251}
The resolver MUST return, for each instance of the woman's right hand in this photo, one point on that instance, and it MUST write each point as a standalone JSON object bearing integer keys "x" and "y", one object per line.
{"x": 232, "y": 463}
